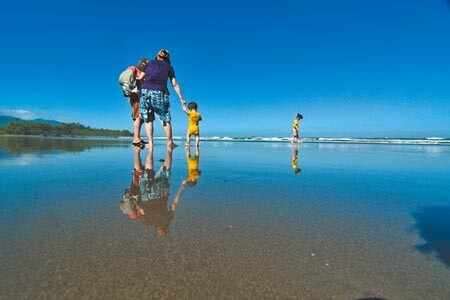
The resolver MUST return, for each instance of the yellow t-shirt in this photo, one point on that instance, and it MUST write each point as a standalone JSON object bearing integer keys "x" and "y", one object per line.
{"x": 193, "y": 119}
{"x": 295, "y": 124}
{"x": 193, "y": 171}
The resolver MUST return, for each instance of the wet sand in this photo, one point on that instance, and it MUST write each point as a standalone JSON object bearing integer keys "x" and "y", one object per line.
{"x": 251, "y": 230}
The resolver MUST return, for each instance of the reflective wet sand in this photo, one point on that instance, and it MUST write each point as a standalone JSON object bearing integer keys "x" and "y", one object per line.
{"x": 346, "y": 227}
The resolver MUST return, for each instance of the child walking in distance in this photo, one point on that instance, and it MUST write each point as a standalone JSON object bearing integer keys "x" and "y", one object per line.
{"x": 131, "y": 80}
{"x": 194, "y": 118}
{"x": 296, "y": 128}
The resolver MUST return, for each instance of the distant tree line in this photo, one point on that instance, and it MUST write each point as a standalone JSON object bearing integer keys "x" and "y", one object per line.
{"x": 36, "y": 144}
{"x": 63, "y": 129}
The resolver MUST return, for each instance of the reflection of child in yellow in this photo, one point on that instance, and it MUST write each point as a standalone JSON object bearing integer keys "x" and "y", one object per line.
{"x": 192, "y": 163}
{"x": 194, "y": 118}
{"x": 294, "y": 159}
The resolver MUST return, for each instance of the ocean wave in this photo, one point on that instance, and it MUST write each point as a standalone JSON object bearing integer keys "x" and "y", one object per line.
{"x": 402, "y": 141}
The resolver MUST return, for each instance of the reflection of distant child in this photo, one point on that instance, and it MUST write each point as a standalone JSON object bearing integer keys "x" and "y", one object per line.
{"x": 296, "y": 128}
{"x": 294, "y": 159}
{"x": 194, "y": 118}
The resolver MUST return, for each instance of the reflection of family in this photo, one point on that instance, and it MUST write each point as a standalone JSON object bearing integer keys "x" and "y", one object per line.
{"x": 147, "y": 198}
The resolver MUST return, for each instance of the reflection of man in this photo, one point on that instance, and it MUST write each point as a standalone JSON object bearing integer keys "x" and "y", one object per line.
{"x": 155, "y": 192}
{"x": 155, "y": 195}
{"x": 149, "y": 193}
{"x": 294, "y": 159}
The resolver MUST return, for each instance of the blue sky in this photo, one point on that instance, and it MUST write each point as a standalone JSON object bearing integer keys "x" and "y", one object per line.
{"x": 352, "y": 68}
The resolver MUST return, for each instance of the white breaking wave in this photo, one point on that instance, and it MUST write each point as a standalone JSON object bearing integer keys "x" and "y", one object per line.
{"x": 402, "y": 141}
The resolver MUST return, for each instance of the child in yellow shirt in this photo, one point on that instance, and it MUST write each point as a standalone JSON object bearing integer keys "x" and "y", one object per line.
{"x": 296, "y": 128}
{"x": 194, "y": 118}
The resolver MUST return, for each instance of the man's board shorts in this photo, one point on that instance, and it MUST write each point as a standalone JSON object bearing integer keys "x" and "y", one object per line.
{"x": 153, "y": 101}
{"x": 156, "y": 187}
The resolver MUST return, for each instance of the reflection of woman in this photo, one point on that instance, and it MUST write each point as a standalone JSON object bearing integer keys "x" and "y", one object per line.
{"x": 294, "y": 159}
{"x": 131, "y": 202}
{"x": 131, "y": 199}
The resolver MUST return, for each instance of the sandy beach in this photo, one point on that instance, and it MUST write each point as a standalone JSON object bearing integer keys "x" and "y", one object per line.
{"x": 347, "y": 226}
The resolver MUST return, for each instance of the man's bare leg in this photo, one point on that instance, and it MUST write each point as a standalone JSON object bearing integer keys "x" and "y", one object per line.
{"x": 149, "y": 131}
{"x": 168, "y": 131}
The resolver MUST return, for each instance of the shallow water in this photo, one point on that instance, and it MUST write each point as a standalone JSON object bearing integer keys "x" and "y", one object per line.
{"x": 353, "y": 222}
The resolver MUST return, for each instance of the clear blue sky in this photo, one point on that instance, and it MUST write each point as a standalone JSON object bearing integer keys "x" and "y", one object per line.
{"x": 352, "y": 68}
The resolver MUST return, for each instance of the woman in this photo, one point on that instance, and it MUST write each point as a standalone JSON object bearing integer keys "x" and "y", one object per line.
{"x": 131, "y": 80}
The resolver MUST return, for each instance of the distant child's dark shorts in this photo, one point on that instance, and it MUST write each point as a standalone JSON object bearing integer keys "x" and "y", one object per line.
{"x": 152, "y": 102}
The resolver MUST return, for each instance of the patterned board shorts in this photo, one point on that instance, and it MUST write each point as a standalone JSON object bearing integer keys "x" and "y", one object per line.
{"x": 156, "y": 188}
{"x": 152, "y": 102}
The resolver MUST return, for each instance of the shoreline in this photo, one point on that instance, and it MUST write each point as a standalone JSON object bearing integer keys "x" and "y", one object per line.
{"x": 320, "y": 140}
{"x": 384, "y": 141}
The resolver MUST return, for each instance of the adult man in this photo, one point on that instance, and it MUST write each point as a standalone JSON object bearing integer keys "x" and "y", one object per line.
{"x": 155, "y": 95}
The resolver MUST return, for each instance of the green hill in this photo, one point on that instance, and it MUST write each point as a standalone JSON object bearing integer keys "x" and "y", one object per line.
{"x": 5, "y": 120}
{"x": 17, "y": 126}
